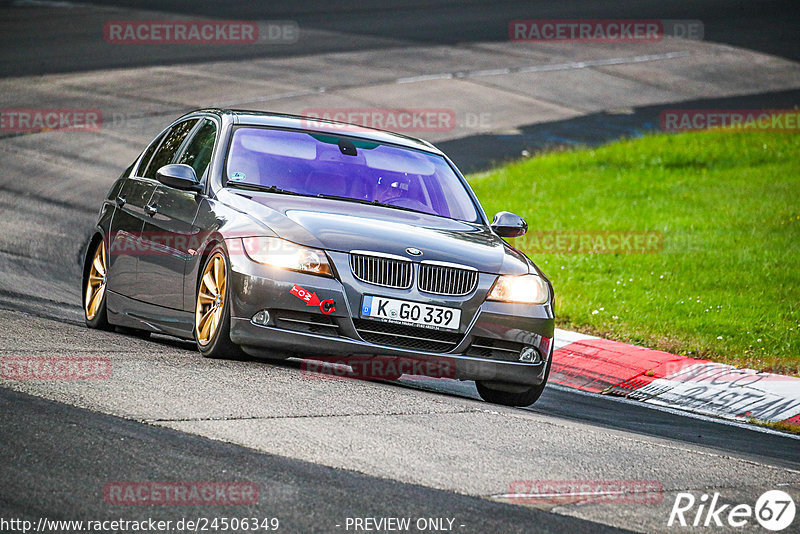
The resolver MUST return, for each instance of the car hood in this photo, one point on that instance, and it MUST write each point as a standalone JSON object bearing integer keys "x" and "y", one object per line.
{"x": 343, "y": 226}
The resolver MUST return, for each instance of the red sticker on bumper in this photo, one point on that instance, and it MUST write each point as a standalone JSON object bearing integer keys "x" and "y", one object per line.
{"x": 311, "y": 299}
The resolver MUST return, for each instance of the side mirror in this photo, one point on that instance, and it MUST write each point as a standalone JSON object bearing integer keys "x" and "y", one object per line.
{"x": 179, "y": 176}
{"x": 507, "y": 224}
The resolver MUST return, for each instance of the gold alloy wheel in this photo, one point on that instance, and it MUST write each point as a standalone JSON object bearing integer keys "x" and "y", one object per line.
{"x": 96, "y": 285}
{"x": 210, "y": 299}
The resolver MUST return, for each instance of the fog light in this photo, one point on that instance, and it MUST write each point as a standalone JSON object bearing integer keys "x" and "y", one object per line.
{"x": 261, "y": 318}
{"x": 530, "y": 355}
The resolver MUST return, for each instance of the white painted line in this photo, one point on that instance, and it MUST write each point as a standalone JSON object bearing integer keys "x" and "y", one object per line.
{"x": 545, "y": 68}
{"x": 725, "y": 391}
{"x": 490, "y": 72}
{"x": 566, "y": 337}
{"x": 604, "y": 62}
{"x": 673, "y": 411}
{"x": 426, "y": 77}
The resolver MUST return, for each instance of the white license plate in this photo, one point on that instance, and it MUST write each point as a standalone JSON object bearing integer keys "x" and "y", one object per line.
{"x": 412, "y": 313}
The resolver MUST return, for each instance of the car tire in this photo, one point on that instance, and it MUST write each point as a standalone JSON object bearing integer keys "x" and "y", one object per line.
{"x": 525, "y": 397}
{"x": 216, "y": 344}
{"x": 94, "y": 287}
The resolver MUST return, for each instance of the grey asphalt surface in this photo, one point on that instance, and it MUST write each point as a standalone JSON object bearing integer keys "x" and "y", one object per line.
{"x": 373, "y": 439}
{"x": 64, "y": 479}
{"x": 767, "y": 26}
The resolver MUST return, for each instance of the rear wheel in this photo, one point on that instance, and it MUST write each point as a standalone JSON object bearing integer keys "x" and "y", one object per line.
{"x": 512, "y": 395}
{"x": 94, "y": 291}
{"x": 212, "y": 318}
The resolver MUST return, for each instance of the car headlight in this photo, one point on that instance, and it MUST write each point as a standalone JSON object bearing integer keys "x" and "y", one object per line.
{"x": 525, "y": 289}
{"x": 281, "y": 253}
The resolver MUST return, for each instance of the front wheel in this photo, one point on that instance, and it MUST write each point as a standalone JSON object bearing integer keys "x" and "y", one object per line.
{"x": 511, "y": 395}
{"x": 94, "y": 291}
{"x": 212, "y": 317}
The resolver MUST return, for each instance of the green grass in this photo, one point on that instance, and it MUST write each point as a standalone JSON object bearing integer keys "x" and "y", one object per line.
{"x": 781, "y": 426}
{"x": 725, "y": 286}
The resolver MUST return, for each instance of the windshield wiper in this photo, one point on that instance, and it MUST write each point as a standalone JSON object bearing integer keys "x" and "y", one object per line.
{"x": 367, "y": 202}
{"x": 263, "y": 188}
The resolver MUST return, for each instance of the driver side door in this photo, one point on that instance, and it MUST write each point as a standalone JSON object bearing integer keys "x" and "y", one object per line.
{"x": 173, "y": 221}
{"x": 156, "y": 277}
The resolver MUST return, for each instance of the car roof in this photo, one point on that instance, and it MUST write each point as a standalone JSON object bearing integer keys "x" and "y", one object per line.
{"x": 314, "y": 124}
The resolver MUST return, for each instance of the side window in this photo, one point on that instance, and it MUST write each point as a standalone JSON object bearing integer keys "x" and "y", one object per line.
{"x": 198, "y": 152}
{"x": 148, "y": 154}
{"x": 168, "y": 148}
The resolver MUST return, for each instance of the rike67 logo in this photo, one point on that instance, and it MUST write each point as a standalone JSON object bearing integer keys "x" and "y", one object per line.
{"x": 774, "y": 510}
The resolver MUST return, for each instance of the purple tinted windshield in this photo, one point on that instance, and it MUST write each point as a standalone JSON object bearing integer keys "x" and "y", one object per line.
{"x": 328, "y": 165}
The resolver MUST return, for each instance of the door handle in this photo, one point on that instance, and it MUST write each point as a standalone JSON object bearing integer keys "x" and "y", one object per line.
{"x": 151, "y": 210}
{"x": 120, "y": 201}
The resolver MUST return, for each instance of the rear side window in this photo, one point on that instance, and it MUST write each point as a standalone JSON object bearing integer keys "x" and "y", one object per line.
{"x": 171, "y": 144}
{"x": 198, "y": 152}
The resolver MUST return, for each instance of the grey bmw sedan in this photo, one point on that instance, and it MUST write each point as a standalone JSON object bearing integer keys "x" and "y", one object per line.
{"x": 283, "y": 236}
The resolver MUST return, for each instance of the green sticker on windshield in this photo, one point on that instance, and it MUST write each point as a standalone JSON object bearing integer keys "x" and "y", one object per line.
{"x": 237, "y": 177}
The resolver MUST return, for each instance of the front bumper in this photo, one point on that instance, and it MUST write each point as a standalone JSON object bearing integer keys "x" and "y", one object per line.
{"x": 297, "y": 328}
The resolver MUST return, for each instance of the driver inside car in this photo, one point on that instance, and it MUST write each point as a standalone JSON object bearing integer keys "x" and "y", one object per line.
{"x": 391, "y": 189}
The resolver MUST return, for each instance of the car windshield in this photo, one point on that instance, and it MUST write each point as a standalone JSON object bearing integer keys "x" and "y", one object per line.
{"x": 347, "y": 168}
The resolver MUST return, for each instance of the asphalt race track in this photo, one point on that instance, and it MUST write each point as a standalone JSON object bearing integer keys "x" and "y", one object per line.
{"x": 323, "y": 450}
{"x": 769, "y": 27}
{"x": 305, "y": 497}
